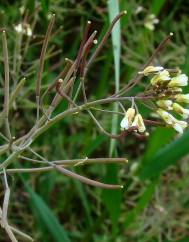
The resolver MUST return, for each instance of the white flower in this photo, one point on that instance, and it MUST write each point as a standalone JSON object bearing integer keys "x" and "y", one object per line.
{"x": 28, "y": 30}
{"x": 180, "y": 110}
{"x": 151, "y": 69}
{"x": 166, "y": 104}
{"x": 183, "y": 98}
{"x": 23, "y": 29}
{"x": 127, "y": 120}
{"x": 179, "y": 126}
{"x": 139, "y": 123}
{"x": 162, "y": 76}
{"x": 139, "y": 9}
{"x": 19, "y": 28}
{"x": 179, "y": 81}
{"x": 151, "y": 21}
{"x": 167, "y": 117}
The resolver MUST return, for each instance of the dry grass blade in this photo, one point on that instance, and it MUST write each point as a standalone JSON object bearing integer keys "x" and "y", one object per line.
{"x": 6, "y": 87}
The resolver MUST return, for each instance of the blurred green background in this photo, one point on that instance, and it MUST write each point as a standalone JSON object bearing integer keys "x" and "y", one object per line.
{"x": 154, "y": 204}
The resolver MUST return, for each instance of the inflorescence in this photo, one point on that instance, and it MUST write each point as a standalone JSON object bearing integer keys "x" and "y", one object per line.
{"x": 166, "y": 88}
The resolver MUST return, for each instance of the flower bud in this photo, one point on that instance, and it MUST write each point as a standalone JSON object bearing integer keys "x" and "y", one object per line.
{"x": 151, "y": 69}
{"x": 127, "y": 120}
{"x": 139, "y": 123}
{"x": 179, "y": 81}
{"x": 167, "y": 117}
{"x": 178, "y": 125}
{"x": 180, "y": 110}
{"x": 162, "y": 76}
{"x": 175, "y": 89}
{"x": 165, "y": 104}
{"x": 183, "y": 98}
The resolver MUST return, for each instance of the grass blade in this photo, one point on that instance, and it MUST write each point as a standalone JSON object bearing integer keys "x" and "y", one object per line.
{"x": 112, "y": 199}
{"x": 157, "y": 6}
{"x": 165, "y": 157}
{"x": 46, "y": 216}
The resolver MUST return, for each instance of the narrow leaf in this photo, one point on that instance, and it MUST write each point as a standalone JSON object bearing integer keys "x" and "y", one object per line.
{"x": 46, "y": 217}
{"x": 165, "y": 157}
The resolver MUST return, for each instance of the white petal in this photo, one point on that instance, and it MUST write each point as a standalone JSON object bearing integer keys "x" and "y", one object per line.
{"x": 178, "y": 128}
{"x": 185, "y": 114}
{"x": 183, "y": 78}
{"x": 183, "y": 124}
{"x": 124, "y": 123}
{"x": 180, "y": 80}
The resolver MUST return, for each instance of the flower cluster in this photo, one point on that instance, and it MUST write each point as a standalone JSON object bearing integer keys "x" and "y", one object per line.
{"x": 151, "y": 21}
{"x": 23, "y": 29}
{"x": 167, "y": 88}
{"x": 132, "y": 120}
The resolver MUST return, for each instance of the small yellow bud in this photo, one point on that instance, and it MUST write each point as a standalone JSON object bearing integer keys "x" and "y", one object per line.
{"x": 183, "y": 98}
{"x": 139, "y": 123}
{"x": 151, "y": 69}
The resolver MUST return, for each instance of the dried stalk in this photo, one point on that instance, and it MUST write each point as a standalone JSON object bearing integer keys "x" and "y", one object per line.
{"x": 103, "y": 41}
{"x": 78, "y": 177}
{"x": 41, "y": 63}
{"x": 6, "y": 88}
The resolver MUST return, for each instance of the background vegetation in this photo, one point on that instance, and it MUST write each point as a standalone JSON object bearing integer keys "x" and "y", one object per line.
{"x": 154, "y": 204}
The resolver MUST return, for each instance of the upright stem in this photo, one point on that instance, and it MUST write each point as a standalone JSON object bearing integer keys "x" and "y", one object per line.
{"x": 6, "y": 88}
{"x": 41, "y": 63}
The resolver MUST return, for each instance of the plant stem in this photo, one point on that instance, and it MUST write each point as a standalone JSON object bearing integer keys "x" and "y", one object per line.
{"x": 41, "y": 63}
{"x": 65, "y": 163}
{"x": 6, "y": 89}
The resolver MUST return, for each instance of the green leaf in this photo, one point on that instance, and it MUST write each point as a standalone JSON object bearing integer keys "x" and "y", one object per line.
{"x": 113, "y": 9}
{"x": 155, "y": 142}
{"x": 112, "y": 199}
{"x": 156, "y": 6}
{"x": 46, "y": 216}
{"x": 165, "y": 157}
{"x": 45, "y": 5}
